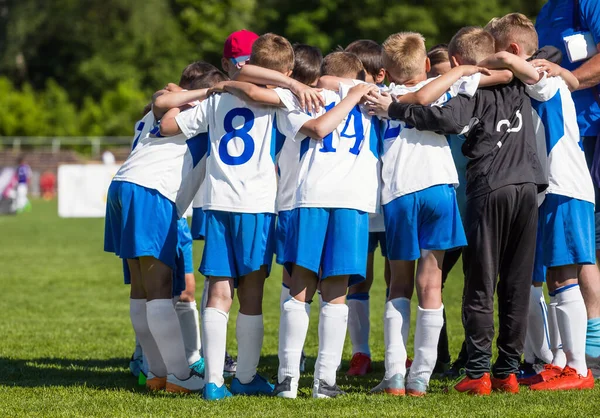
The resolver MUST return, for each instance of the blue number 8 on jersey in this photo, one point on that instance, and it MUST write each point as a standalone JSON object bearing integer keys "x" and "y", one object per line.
{"x": 241, "y": 133}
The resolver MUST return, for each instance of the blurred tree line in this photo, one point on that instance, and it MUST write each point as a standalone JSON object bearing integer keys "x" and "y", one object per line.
{"x": 88, "y": 67}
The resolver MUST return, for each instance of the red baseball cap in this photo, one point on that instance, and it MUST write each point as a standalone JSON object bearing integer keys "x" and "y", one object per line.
{"x": 238, "y": 45}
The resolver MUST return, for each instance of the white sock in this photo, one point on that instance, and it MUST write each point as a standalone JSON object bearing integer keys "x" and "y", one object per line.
{"x": 204, "y": 296}
{"x": 283, "y": 296}
{"x": 165, "y": 328}
{"x": 138, "y": 352}
{"x": 537, "y": 325}
{"x": 395, "y": 346}
{"x": 333, "y": 322}
{"x": 249, "y": 331}
{"x": 427, "y": 335}
{"x": 558, "y": 355}
{"x": 359, "y": 325}
{"x": 214, "y": 336}
{"x": 572, "y": 323}
{"x": 403, "y": 306}
{"x": 528, "y": 353}
{"x": 139, "y": 320}
{"x": 187, "y": 312}
{"x": 293, "y": 326}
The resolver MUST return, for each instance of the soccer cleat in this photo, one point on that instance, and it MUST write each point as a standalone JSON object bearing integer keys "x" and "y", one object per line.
{"x": 481, "y": 386}
{"x": 302, "y": 362}
{"x": 213, "y": 392}
{"x": 193, "y": 384}
{"x": 440, "y": 369}
{"x": 135, "y": 365}
{"x": 287, "y": 389}
{"x": 230, "y": 365}
{"x": 392, "y": 386}
{"x": 155, "y": 383}
{"x": 526, "y": 371}
{"x": 258, "y": 386}
{"x": 416, "y": 387}
{"x": 408, "y": 363}
{"x": 569, "y": 379}
{"x": 198, "y": 367}
{"x": 322, "y": 390}
{"x": 508, "y": 384}
{"x": 360, "y": 365}
{"x": 594, "y": 365}
{"x": 546, "y": 374}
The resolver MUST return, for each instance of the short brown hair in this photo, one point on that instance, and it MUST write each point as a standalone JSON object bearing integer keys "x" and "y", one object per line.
{"x": 514, "y": 28}
{"x": 438, "y": 54}
{"x": 193, "y": 71}
{"x": 208, "y": 80}
{"x": 307, "y": 63}
{"x": 405, "y": 54}
{"x": 472, "y": 44}
{"x": 273, "y": 52}
{"x": 344, "y": 65}
{"x": 369, "y": 53}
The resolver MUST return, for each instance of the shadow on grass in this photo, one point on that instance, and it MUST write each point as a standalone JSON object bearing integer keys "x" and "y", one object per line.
{"x": 113, "y": 373}
{"x": 102, "y": 374}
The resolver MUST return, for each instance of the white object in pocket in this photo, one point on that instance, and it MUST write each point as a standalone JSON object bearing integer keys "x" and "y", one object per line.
{"x": 580, "y": 46}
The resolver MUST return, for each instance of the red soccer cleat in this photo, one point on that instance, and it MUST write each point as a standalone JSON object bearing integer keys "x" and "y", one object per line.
{"x": 567, "y": 380}
{"x": 548, "y": 373}
{"x": 481, "y": 386}
{"x": 507, "y": 385}
{"x": 360, "y": 365}
{"x": 408, "y": 363}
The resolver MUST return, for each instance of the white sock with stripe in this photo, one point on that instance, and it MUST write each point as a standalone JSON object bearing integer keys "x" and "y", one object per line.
{"x": 537, "y": 325}
{"x": 572, "y": 323}
{"x": 558, "y": 355}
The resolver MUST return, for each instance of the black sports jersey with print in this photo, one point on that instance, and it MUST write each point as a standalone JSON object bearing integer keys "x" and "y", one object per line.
{"x": 500, "y": 140}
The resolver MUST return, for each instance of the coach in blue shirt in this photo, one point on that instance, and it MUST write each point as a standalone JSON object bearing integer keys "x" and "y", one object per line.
{"x": 558, "y": 20}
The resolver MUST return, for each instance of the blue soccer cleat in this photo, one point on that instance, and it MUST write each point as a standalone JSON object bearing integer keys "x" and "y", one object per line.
{"x": 258, "y": 386}
{"x": 198, "y": 367}
{"x": 135, "y": 365}
{"x": 213, "y": 392}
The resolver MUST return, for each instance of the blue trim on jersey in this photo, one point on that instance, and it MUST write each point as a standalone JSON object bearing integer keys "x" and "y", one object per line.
{"x": 375, "y": 143}
{"x": 304, "y": 145}
{"x": 551, "y": 114}
{"x": 563, "y": 289}
{"x": 139, "y": 129}
{"x": 358, "y": 296}
{"x": 277, "y": 139}
{"x": 198, "y": 146}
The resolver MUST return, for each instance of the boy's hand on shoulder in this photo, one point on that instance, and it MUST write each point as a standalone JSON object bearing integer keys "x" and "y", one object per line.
{"x": 172, "y": 87}
{"x": 379, "y": 103}
{"x": 362, "y": 90}
{"x": 218, "y": 88}
{"x": 469, "y": 70}
{"x": 550, "y": 68}
{"x": 309, "y": 97}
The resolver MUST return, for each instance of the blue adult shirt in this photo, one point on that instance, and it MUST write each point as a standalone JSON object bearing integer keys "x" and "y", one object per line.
{"x": 555, "y": 21}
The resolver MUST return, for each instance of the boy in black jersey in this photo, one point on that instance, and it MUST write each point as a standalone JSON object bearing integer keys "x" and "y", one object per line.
{"x": 504, "y": 176}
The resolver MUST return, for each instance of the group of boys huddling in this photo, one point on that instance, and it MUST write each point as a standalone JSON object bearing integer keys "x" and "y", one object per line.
{"x": 320, "y": 177}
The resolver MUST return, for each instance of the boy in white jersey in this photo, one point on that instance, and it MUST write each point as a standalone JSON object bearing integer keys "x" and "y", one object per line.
{"x": 566, "y": 217}
{"x": 159, "y": 177}
{"x": 422, "y": 221}
{"x": 240, "y": 205}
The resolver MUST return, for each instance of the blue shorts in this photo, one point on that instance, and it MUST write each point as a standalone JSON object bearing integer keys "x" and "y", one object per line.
{"x": 140, "y": 222}
{"x": 375, "y": 239}
{"x": 237, "y": 244}
{"x": 332, "y": 241}
{"x": 198, "y": 224}
{"x": 185, "y": 254}
{"x": 425, "y": 220}
{"x": 566, "y": 234}
{"x": 283, "y": 222}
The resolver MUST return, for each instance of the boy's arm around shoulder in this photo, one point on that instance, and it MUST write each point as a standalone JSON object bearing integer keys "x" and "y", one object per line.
{"x": 451, "y": 118}
{"x": 522, "y": 69}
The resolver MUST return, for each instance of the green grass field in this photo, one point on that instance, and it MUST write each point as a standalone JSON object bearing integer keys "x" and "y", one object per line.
{"x": 65, "y": 341}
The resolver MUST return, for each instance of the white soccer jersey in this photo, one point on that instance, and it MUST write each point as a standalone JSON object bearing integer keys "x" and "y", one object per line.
{"x": 556, "y": 120}
{"x": 174, "y": 166}
{"x": 240, "y": 173}
{"x": 414, "y": 160}
{"x": 341, "y": 170}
